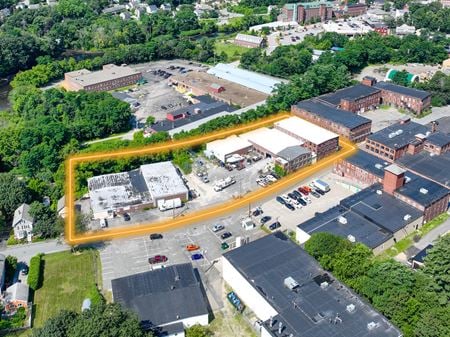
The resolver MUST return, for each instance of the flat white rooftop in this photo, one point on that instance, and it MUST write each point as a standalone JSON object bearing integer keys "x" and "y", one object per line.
{"x": 272, "y": 140}
{"x": 163, "y": 180}
{"x": 222, "y": 147}
{"x": 249, "y": 79}
{"x": 306, "y": 130}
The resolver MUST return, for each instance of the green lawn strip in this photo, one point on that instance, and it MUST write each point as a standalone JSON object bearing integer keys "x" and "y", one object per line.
{"x": 68, "y": 278}
{"x": 233, "y": 51}
{"x": 408, "y": 241}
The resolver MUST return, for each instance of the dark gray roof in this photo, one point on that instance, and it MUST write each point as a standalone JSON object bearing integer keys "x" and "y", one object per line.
{"x": 421, "y": 190}
{"x": 207, "y": 109}
{"x": 292, "y": 152}
{"x": 338, "y": 116}
{"x": 267, "y": 262}
{"x": 352, "y": 93}
{"x": 432, "y": 167}
{"x": 162, "y": 296}
{"x": 169, "y": 330}
{"x": 384, "y": 210}
{"x": 416, "y": 93}
{"x": 391, "y": 139}
{"x": 368, "y": 162}
{"x": 443, "y": 124}
{"x": 361, "y": 229}
{"x": 439, "y": 139}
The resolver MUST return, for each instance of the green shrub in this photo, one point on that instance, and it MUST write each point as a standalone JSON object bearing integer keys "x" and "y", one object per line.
{"x": 35, "y": 272}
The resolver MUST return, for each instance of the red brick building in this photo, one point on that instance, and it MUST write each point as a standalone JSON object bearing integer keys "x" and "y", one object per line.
{"x": 344, "y": 123}
{"x": 306, "y": 12}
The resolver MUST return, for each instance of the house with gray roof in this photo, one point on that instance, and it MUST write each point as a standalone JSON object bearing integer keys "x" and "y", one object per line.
{"x": 23, "y": 223}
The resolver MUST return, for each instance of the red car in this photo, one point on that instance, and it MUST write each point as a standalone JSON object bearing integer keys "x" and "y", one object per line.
{"x": 303, "y": 190}
{"x": 157, "y": 259}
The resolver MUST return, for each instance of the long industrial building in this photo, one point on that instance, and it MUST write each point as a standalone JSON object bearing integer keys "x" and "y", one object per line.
{"x": 111, "y": 77}
{"x": 144, "y": 187}
{"x": 293, "y": 296}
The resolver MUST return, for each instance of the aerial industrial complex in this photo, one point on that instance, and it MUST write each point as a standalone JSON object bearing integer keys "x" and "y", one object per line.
{"x": 117, "y": 193}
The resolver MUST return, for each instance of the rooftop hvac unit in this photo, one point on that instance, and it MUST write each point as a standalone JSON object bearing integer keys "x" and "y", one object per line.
{"x": 379, "y": 166}
{"x": 407, "y": 217}
{"x": 372, "y": 325}
{"x": 324, "y": 285}
{"x": 351, "y": 308}
{"x": 342, "y": 220}
{"x": 379, "y": 192}
{"x": 423, "y": 190}
{"x": 392, "y": 135}
{"x": 398, "y": 132}
{"x": 290, "y": 283}
{"x": 407, "y": 179}
{"x": 351, "y": 238}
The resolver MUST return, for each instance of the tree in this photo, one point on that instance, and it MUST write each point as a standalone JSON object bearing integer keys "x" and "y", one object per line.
{"x": 325, "y": 244}
{"x": 13, "y": 193}
{"x": 280, "y": 171}
{"x": 10, "y": 268}
{"x": 437, "y": 264}
{"x": 401, "y": 78}
{"x": 45, "y": 220}
{"x": 198, "y": 331}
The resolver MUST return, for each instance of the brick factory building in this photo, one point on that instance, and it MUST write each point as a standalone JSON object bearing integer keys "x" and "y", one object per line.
{"x": 248, "y": 41}
{"x": 416, "y": 190}
{"x": 357, "y": 98}
{"x": 111, "y": 77}
{"x": 347, "y": 124}
{"x": 306, "y": 11}
{"x": 406, "y": 137}
{"x": 318, "y": 140}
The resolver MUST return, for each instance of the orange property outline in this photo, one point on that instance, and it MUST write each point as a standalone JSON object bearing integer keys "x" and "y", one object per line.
{"x": 347, "y": 149}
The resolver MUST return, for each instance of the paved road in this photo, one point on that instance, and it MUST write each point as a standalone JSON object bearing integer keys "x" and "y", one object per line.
{"x": 437, "y": 113}
{"x": 433, "y": 235}
{"x": 25, "y": 252}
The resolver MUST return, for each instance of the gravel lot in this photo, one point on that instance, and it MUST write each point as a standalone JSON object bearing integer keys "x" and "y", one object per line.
{"x": 382, "y": 118}
{"x": 379, "y": 71}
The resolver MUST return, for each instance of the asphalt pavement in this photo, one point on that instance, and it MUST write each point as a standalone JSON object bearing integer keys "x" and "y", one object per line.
{"x": 25, "y": 252}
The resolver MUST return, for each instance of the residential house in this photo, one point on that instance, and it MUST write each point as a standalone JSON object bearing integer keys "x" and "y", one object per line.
{"x": 16, "y": 296}
{"x": 23, "y": 222}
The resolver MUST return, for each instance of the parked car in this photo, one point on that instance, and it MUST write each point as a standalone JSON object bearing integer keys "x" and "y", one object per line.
{"x": 315, "y": 194}
{"x": 275, "y": 225}
{"x": 224, "y": 246}
{"x": 292, "y": 196}
{"x": 289, "y": 206}
{"x": 126, "y": 216}
{"x": 319, "y": 191}
{"x": 24, "y": 271}
{"x": 217, "y": 228}
{"x": 197, "y": 256}
{"x": 265, "y": 219}
{"x": 192, "y": 247}
{"x": 205, "y": 179}
{"x": 155, "y": 236}
{"x": 303, "y": 191}
{"x": 225, "y": 235}
{"x": 281, "y": 200}
{"x": 157, "y": 259}
{"x": 257, "y": 211}
{"x": 103, "y": 223}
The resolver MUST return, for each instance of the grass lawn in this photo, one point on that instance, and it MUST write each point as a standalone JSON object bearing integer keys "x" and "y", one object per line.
{"x": 233, "y": 51}
{"x": 68, "y": 278}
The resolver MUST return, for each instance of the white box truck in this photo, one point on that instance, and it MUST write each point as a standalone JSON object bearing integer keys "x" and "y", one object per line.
{"x": 165, "y": 205}
{"x": 321, "y": 185}
{"x": 223, "y": 183}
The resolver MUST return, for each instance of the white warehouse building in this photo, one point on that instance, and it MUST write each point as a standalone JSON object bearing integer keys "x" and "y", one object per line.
{"x": 293, "y": 297}
{"x": 144, "y": 187}
{"x": 224, "y": 149}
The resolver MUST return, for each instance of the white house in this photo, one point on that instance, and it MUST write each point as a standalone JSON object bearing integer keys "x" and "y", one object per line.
{"x": 23, "y": 222}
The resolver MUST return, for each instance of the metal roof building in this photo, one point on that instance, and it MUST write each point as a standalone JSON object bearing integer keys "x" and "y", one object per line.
{"x": 164, "y": 298}
{"x": 249, "y": 79}
{"x": 270, "y": 141}
{"x": 249, "y": 38}
{"x": 224, "y": 148}
{"x": 306, "y": 130}
{"x": 293, "y": 296}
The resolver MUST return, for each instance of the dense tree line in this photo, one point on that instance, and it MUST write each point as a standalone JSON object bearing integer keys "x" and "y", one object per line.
{"x": 439, "y": 87}
{"x": 357, "y": 53}
{"x": 432, "y": 16}
{"x": 415, "y": 301}
{"x": 106, "y": 320}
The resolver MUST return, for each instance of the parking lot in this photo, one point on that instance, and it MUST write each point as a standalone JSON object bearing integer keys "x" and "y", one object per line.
{"x": 156, "y": 97}
{"x": 383, "y": 117}
{"x": 130, "y": 256}
{"x": 291, "y": 36}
